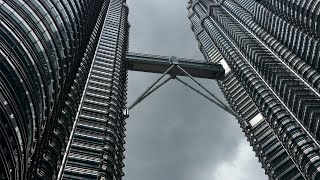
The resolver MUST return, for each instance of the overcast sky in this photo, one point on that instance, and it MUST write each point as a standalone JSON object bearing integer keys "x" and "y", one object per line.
{"x": 175, "y": 133}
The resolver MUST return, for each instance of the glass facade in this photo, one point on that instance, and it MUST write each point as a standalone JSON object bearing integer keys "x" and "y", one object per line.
{"x": 95, "y": 148}
{"x": 270, "y": 49}
{"x": 63, "y": 82}
{"x": 42, "y": 46}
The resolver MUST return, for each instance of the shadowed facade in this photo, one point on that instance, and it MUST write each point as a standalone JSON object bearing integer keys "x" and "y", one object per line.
{"x": 271, "y": 52}
{"x": 63, "y": 82}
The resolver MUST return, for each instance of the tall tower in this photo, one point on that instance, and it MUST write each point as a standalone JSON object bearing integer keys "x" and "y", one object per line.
{"x": 42, "y": 46}
{"x": 95, "y": 148}
{"x": 63, "y": 73}
{"x": 270, "y": 51}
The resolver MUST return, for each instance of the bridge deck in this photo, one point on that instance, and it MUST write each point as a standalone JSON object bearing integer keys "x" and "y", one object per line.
{"x": 159, "y": 64}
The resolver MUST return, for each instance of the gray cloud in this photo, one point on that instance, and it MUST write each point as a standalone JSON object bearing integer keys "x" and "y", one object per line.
{"x": 175, "y": 133}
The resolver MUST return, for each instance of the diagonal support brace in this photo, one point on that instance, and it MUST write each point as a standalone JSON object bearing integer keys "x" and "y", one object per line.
{"x": 143, "y": 96}
{"x": 207, "y": 97}
{"x": 215, "y": 99}
{"x": 148, "y": 91}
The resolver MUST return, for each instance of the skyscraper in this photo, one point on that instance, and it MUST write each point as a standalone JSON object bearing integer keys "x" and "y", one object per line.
{"x": 63, "y": 73}
{"x": 46, "y": 49}
{"x": 270, "y": 51}
{"x": 95, "y": 149}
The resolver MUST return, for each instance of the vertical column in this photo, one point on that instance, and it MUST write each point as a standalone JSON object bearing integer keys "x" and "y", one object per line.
{"x": 58, "y": 141}
{"x": 111, "y": 164}
{"x": 96, "y": 148}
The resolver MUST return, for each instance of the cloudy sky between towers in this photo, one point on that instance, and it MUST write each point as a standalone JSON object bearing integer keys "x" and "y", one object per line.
{"x": 175, "y": 133}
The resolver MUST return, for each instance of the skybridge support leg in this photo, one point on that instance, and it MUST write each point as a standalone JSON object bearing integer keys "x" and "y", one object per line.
{"x": 148, "y": 91}
{"x": 149, "y": 63}
{"x": 220, "y": 104}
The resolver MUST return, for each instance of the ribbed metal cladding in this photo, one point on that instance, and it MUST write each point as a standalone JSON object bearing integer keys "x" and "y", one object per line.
{"x": 58, "y": 141}
{"x": 286, "y": 127}
{"x": 273, "y": 157}
{"x": 300, "y": 42}
{"x": 270, "y": 151}
{"x": 295, "y": 94}
{"x": 280, "y": 82}
{"x": 305, "y": 13}
{"x": 42, "y": 44}
{"x": 297, "y": 50}
{"x": 96, "y": 146}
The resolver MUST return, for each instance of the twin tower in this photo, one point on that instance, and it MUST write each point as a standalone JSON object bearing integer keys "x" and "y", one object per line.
{"x": 63, "y": 82}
